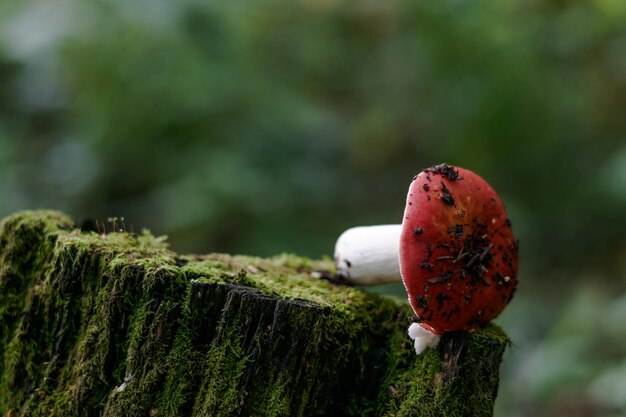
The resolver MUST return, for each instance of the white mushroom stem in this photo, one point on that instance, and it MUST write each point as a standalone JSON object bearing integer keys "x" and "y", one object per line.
{"x": 422, "y": 338}
{"x": 368, "y": 255}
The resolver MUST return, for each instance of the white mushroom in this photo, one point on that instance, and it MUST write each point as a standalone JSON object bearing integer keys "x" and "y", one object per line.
{"x": 422, "y": 338}
{"x": 368, "y": 255}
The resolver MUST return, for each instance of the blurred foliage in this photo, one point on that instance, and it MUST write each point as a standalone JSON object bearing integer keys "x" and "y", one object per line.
{"x": 263, "y": 127}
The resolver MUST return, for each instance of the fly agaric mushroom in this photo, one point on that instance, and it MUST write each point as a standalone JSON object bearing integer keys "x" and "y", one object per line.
{"x": 457, "y": 253}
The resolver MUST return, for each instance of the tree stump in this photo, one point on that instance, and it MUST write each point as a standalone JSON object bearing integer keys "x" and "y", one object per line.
{"x": 117, "y": 325}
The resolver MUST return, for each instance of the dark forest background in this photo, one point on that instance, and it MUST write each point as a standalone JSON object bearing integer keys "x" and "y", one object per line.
{"x": 262, "y": 127}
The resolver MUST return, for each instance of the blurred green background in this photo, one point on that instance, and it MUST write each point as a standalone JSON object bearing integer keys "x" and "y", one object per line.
{"x": 269, "y": 126}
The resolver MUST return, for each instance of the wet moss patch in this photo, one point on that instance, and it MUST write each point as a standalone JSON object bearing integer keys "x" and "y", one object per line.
{"x": 116, "y": 324}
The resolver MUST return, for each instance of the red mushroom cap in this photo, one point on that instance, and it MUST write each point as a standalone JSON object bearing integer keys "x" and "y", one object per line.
{"x": 458, "y": 254}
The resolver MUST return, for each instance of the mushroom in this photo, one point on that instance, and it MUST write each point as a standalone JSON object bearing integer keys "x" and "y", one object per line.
{"x": 457, "y": 253}
{"x": 368, "y": 255}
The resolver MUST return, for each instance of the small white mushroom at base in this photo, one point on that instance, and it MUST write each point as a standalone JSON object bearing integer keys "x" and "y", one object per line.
{"x": 422, "y": 338}
{"x": 368, "y": 255}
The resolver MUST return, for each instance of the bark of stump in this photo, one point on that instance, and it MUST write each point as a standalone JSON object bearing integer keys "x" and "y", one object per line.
{"x": 118, "y": 325}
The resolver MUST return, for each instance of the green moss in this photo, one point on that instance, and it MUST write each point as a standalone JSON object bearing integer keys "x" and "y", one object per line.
{"x": 464, "y": 383}
{"x": 26, "y": 245}
{"x": 119, "y": 325}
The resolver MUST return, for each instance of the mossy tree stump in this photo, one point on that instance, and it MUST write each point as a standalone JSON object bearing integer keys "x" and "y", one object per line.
{"x": 117, "y": 325}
